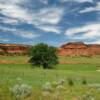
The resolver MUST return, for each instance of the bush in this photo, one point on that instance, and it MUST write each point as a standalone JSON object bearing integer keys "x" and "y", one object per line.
{"x": 21, "y": 90}
{"x": 88, "y": 96}
{"x": 84, "y": 82}
{"x": 70, "y": 82}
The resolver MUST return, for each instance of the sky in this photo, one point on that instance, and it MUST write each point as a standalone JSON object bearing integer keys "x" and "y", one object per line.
{"x": 54, "y": 22}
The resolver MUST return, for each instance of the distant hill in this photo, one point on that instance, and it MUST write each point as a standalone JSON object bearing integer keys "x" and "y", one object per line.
{"x": 68, "y": 49}
{"x": 79, "y": 49}
{"x": 14, "y": 49}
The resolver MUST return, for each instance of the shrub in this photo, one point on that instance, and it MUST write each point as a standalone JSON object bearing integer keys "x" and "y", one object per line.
{"x": 21, "y": 90}
{"x": 88, "y": 96}
{"x": 47, "y": 87}
{"x": 70, "y": 82}
{"x": 84, "y": 82}
{"x": 61, "y": 82}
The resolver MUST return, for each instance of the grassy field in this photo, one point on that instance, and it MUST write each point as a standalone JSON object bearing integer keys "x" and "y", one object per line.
{"x": 77, "y": 70}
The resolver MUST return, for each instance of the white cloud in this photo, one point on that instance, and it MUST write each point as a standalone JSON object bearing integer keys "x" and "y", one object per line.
{"x": 20, "y": 33}
{"x": 97, "y": 42}
{"x": 93, "y": 42}
{"x": 4, "y": 39}
{"x": 89, "y": 31}
{"x": 51, "y": 15}
{"x": 47, "y": 19}
{"x": 16, "y": 14}
{"x": 79, "y": 1}
{"x": 44, "y": 1}
{"x": 8, "y": 20}
{"x": 91, "y": 9}
{"x": 48, "y": 28}
{"x": 28, "y": 35}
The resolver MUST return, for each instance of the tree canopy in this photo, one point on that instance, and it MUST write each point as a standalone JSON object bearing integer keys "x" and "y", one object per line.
{"x": 43, "y": 55}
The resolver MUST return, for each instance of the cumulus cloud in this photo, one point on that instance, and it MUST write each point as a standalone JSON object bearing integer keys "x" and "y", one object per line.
{"x": 89, "y": 31}
{"x": 91, "y": 9}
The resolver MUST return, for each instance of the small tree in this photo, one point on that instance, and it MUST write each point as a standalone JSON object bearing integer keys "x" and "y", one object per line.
{"x": 43, "y": 55}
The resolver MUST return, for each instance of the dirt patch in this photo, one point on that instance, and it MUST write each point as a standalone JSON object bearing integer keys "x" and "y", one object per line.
{"x": 5, "y": 62}
{"x": 10, "y": 62}
{"x": 73, "y": 62}
{"x": 61, "y": 62}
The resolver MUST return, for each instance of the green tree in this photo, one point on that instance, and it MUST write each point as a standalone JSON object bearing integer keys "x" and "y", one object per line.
{"x": 43, "y": 55}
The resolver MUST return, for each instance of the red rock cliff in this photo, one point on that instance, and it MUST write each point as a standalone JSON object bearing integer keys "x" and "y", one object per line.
{"x": 14, "y": 49}
{"x": 79, "y": 49}
{"x": 69, "y": 49}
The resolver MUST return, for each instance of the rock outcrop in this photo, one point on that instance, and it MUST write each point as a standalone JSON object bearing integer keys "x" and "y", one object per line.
{"x": 79, "y": 49}
{"x": 69, "y": 49}
{"x": 14, "y": 49}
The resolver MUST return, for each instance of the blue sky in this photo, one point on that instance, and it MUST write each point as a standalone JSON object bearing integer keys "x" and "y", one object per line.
{"x": 50, "y": 21}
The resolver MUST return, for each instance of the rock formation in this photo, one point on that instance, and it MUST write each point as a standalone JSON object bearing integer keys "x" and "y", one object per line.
{"x": 79, "y": 49}
{"x": 69, "y": 49}
{"x": 14, "y": 49}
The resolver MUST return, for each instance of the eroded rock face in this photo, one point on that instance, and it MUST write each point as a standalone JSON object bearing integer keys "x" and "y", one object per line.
{"x": 69, "y": 49}
{"x": 79, "y": 49}
{"x": 14, "y": 49}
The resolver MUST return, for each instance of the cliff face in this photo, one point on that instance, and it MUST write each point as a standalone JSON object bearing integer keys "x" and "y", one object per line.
{"x": 14, "y": 49}
{"x": 69, "y": 49}
{"x": 79, "y": 49}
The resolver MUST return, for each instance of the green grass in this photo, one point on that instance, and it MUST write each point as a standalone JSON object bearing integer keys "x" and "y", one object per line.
{"x": 12, "y": 72}
{"x": 78, "y": 67}
{"x": 16, "y": 59}
{"x": 85, "y": 60}
{"x": 37, "y": 77}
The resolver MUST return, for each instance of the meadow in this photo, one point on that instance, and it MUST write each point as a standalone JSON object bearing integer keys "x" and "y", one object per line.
{"x": 81, "y": 77}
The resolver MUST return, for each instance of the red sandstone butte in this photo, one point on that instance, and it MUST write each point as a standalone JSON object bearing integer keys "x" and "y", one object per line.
{"x": 79, "y": 49}
{"x": 69, "y": 49}
{"x": 14, "y": 49}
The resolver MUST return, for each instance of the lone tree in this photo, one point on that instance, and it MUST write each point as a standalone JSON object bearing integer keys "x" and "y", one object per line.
{"x": 43, "y": 55}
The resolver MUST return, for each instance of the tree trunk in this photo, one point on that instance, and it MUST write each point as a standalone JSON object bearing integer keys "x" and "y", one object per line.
{"x": 45, "y": 66}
